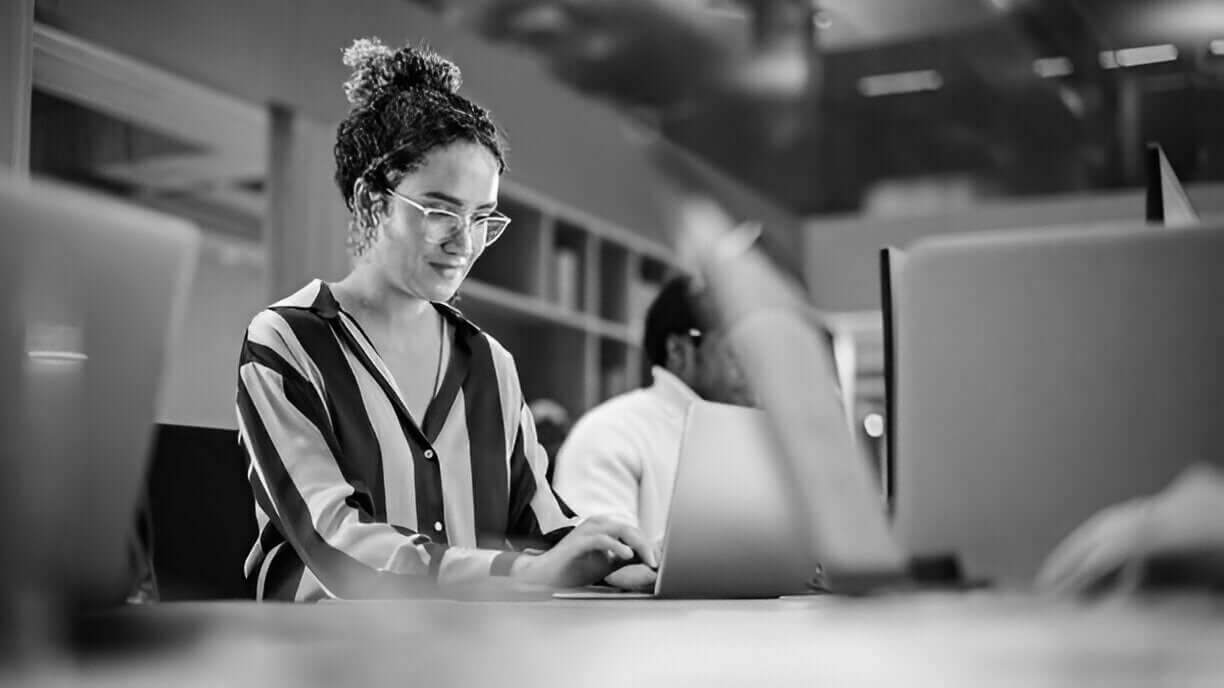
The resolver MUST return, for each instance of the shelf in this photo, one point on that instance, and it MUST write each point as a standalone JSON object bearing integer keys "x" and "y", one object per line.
{"x": 517, "y": 261}
{"x": 566, "y": 295}
{"x": 474, "y": 294}
{"x": 615, "y": 272}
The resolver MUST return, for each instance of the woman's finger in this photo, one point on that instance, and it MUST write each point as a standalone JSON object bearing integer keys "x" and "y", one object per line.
{"x": 608, "y": 546}
{"x": 633, "y": 537}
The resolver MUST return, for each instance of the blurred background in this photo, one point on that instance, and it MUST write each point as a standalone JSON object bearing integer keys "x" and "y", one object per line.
{"x": 845, "y": 125}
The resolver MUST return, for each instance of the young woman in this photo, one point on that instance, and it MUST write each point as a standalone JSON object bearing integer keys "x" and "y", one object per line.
{"x": 390, "y": 447}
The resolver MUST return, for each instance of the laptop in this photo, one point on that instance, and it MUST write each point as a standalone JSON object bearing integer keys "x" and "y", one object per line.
{"x": 739, "y": 524}
{"x": 733, "y": 528}
{"x": 93, "y": 289}
{"x": 1044, "y": 375}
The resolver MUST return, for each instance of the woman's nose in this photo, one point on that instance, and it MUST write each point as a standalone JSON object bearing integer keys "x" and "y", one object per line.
{"x": 460, "y": 241}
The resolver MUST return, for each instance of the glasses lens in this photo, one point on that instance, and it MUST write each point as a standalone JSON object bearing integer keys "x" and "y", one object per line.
{"x": 493, "y": 227}
{"x": 440, "y": 225}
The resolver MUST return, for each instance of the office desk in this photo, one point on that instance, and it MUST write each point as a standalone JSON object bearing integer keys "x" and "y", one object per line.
{"x": 970, "y": 639}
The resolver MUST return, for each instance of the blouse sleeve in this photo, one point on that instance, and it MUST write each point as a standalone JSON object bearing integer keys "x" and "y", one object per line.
{"x": 538, "y": 517}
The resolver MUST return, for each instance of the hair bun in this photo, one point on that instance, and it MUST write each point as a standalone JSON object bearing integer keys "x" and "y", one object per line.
{"x": 377, "y": 69}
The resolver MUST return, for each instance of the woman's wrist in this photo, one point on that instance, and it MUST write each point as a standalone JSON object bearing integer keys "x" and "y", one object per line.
{"x": 523, "y": 567}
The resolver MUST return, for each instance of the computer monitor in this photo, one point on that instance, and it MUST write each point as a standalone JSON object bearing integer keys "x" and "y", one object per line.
{"x": 1044, "y": 375}
{"x": 891, "y": 259}
{"x": 1167, "y": 203}
{"x": 93, "y": 289}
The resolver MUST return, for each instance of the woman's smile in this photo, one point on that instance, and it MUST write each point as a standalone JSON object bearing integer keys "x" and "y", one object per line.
{"x": 449, "y": 268}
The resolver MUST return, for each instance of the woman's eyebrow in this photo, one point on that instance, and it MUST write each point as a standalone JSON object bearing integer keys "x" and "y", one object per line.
{"x": 447, "y": 198}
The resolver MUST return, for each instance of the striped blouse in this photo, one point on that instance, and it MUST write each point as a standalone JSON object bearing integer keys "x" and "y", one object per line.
{"x": 354, "y": 498}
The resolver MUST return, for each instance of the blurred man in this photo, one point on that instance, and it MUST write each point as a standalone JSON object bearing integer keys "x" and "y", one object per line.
{"x": 620, "y": 458}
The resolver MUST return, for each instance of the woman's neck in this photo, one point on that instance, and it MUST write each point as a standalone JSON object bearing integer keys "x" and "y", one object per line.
{"x": 369, "y": 293}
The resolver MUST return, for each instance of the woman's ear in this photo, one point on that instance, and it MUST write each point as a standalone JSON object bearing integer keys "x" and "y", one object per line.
{"x": 369, "y": 206}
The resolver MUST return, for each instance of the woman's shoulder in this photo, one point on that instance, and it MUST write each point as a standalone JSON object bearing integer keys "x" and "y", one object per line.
{"x": 309, "y": 305}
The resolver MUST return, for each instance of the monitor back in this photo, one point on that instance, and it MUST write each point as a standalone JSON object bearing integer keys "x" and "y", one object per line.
{"x": 1043, "y": 375}
{"x": 93, "y": 290}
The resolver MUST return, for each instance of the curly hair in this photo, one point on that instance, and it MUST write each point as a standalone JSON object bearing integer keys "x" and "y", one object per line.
{"x": 404, "y": 103}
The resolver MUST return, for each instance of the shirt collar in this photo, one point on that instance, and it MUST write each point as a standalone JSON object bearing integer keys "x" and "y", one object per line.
{"x": 672, "y": 389}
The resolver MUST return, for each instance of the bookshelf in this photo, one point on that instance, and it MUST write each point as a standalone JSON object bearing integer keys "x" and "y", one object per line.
{"x": 566, "y": 294}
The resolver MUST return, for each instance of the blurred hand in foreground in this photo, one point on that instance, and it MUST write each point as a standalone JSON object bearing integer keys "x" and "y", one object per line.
{"x": 1184, "y": 524}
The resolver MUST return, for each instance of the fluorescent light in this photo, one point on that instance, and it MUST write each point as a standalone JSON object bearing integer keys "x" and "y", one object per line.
{"x": 900, "y": 82}
{"x": 1217, "y": 47}
{"x": 57, "y": 356}
{"x": 1049, "y": 67}
{"x": 1108, "y": 61}
{"x": 1147, "y": 54}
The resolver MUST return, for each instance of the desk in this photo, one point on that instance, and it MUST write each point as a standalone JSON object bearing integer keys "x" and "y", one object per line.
{"x": 970, "y": 639}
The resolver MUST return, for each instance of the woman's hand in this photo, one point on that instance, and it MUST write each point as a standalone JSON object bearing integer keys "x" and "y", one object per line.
{"x": 634, "y": 578}
{"x": 592, "y": 551}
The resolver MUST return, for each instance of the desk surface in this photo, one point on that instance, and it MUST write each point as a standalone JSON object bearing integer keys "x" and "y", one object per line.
{"x": 970, "y": 639}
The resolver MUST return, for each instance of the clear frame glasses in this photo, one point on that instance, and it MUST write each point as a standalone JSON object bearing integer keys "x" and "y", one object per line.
{"x": 441, "y": 224}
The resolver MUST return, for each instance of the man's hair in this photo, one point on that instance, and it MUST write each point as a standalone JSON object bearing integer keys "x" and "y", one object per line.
{"x": 405, "y": 103}
{"x": 678, "y": 308}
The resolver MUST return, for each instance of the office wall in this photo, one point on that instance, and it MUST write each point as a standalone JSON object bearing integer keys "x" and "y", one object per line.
{"x": 840, "y": 254}
{"x": 285, "y": 55}
{"x": 287, "y": 52}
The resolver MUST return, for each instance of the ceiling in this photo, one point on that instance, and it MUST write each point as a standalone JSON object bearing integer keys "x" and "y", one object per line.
{"x": 828, "y": 110}
{"x": 857, "y": 105}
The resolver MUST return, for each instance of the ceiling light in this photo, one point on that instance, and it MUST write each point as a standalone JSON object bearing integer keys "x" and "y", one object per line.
{"x": 1217, "y": 47}
{"x": 1148, "y": 54}
{"x": 900, "y": 82}
{"x": 1050, "y": 67}
{"x": 57, "y": 355}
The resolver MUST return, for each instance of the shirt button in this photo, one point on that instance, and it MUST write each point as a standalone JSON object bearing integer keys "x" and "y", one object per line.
{"x": 438, "y": 526}
{"x": 429, "y": 453}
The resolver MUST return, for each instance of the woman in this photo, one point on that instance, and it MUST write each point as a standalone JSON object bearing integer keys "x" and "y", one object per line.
{"x": 389, "y": 443}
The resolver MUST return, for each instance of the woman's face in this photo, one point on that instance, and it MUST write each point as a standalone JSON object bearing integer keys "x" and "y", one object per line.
{"x": 462, "y": 178}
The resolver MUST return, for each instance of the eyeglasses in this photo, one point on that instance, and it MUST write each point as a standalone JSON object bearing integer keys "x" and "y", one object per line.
{"x": 441, "y": 225}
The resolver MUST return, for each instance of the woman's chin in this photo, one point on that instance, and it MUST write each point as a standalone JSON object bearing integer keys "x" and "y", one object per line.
{"x": 444, "y": 290}
{"x": 431, "y": 290}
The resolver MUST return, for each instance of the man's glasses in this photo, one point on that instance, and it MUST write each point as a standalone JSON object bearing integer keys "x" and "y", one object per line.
{"x": 441, "y": 225}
